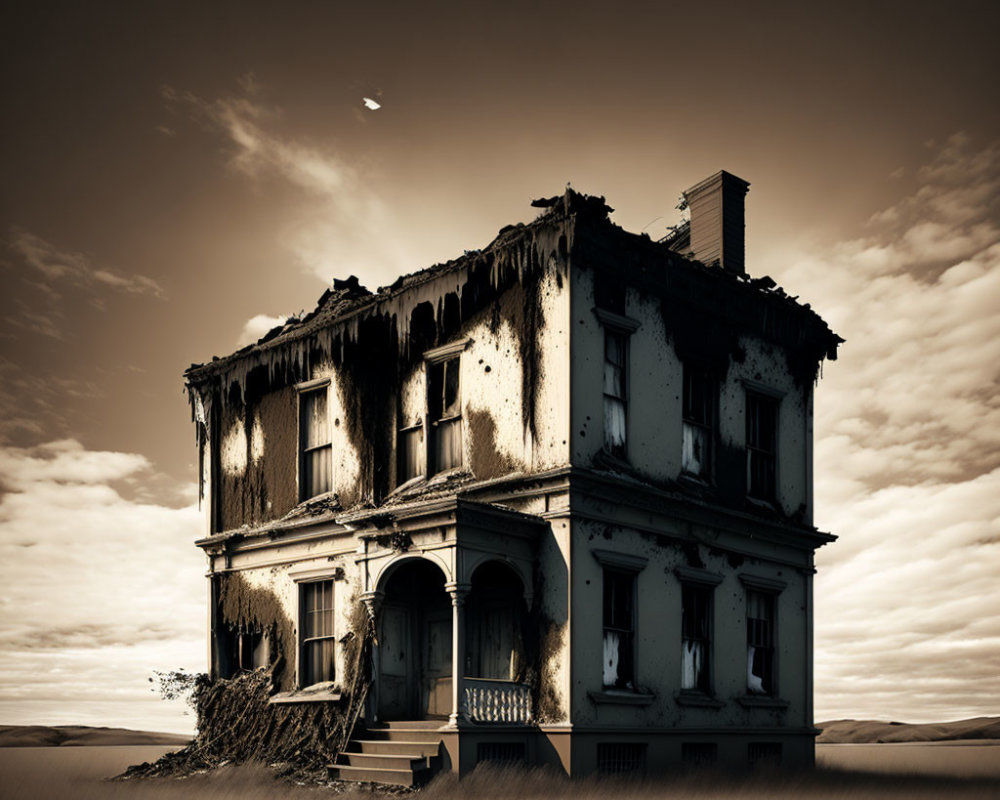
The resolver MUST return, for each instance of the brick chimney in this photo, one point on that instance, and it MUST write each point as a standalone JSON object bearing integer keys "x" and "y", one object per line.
{"x": 717, "y": 224}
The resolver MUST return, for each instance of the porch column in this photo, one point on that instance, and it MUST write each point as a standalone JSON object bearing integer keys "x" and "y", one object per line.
{"x": 458, "y": 591}
{"x": 373, "y": 604}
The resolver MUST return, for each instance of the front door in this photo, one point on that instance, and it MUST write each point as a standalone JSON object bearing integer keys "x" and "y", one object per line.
{"x": 396, "y": 695}
{"x": 435, "y": 680}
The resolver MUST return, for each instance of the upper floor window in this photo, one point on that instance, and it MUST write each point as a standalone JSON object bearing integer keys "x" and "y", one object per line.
{"x": 316, "y": 449}
{"x": 615, "y": 380}
{"x": 318, "y": 641}
{"x": 444, "y": 415}
{"x": 760, "y": 642}
{"x": 762, "y": 445}
{"x": 698, "y": 413}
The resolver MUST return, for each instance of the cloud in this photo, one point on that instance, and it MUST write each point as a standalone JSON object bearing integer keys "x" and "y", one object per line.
{"x": 908, "y": 448}
{"x": 341, "y": 226}
{"x": 257, "y": 326}
{"x": 55, "y": 266}
{"x": 97, "y": 590}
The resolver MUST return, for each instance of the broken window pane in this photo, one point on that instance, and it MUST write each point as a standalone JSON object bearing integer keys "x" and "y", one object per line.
{"x": 760, "y": 642}
{"x": 618, "y": 669}
{"x": 444, "y": 409}
{"x": 615, "y": 365}
{"x": 695, "y": 631}
{"x": 698, "y": 415}
{"x": 317, "y": 452}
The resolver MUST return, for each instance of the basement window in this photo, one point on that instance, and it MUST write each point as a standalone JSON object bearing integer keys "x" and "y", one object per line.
{"x": 698, "y": 413}
{"x": 696, "y": 641}
{"x": 316, "y": 448}
{"x": 444, "y": 415}
{"x": 760, "y": 643}
{"x": 615, "y": 379}
{"x": 619, "y": 630}
{"x": 762, "y": 446}
{"x": 318, "y": 643}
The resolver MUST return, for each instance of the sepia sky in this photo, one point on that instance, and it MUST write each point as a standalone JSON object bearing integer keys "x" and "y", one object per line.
{"x": 179, "y": 176}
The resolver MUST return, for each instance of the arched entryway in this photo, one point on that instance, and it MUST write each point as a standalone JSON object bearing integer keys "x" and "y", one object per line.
{"x": 495, "y": 615}
{"x": 414, "y": 644}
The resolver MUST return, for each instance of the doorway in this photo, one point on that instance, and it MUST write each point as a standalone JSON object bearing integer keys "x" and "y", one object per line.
{"x": 415, "y": 645}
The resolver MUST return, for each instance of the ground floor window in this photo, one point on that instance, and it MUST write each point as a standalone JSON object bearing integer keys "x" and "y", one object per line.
{"x": 621, "y": 758}
{"x": 619, "y": 629}
{"x": 318, "y": 643}
{"x": 760, "y": 642}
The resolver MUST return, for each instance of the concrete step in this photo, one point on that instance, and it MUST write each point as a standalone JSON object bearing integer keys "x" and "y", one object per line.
{"x": 394, "y": 747}
{"x": 432, "y": 724}
{"x": 401, "y": 734}
{"x": 397, "y": 777}
{"x": 381, "y": 761}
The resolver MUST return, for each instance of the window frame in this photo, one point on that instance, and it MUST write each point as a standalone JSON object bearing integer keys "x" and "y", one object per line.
{"x": 626, "y": 566}
{"x": 771, "y": 589}
{"x": 615, "y": 324}
{"x": 303, "y": 390}
{"x": 303, "y": 679}
{"x": 701, "y": 580}
{"x": 763, "y": 398}
{"x": 690, "y": 371}
{"x": 433, "y": 359}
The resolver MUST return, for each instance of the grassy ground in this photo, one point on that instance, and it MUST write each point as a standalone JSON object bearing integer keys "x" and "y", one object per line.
{"x": 43, "y": 773}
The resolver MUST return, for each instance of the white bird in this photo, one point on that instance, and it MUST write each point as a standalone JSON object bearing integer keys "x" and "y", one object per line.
{"x": 369, "y": 103}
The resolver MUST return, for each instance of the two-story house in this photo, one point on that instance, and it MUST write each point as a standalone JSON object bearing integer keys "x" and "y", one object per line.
{"x": 569, "y": 477}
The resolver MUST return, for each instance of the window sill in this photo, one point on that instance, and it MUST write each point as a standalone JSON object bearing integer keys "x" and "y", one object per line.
{"x": 762, "y": 701}
{"x": 697, "y": 700}
{"x": 317, "y": 693}
{"x": 622, "y": 698}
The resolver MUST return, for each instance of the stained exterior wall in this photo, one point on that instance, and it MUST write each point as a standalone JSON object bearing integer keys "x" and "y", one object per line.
{"x": 531, "y": 372}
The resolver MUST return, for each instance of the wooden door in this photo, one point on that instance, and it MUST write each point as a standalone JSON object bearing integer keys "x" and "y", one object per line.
{"x": 396, "y": 663}
{"x": 435, "y": 681}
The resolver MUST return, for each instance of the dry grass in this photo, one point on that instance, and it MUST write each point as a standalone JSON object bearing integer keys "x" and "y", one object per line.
{"x": 43, "y": 773}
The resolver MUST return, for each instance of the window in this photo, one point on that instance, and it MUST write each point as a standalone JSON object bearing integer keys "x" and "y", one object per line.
{"x": 317, "y": 633}
{"x": 762, "y": 445}
{"x": 698, "y": 412}
{"x": 316, "y": 449}
{"x": 615, "y": 374}
{"x": 619, "y": 630}
{"x": 699, "y": 754}
{"x": 760, "y": 642}
{"x": 410, "y": 453}
{"x": 621, "y": 758}
{"x": 696, "y": 643}
{"x": 764, "y": 754}
{"x": 444, "y": 415}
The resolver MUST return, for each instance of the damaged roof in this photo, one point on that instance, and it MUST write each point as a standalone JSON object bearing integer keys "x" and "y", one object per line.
{"x": 636, "y": 258}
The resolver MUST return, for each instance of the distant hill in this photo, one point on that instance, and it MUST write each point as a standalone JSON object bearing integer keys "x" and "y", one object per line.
{"x": 82, "y": 736}
{"x": 860, "y": 731}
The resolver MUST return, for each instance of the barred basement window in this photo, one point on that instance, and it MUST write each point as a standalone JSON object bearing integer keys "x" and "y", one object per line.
{"x": 761, "y": 754}
{"x": 318, "y": 641}
{"x": 698, "y": 412}
{"x": 696, "y": 642}
{"x": 501, "y": 753}
{"x": 760, "y": 642}
{"x": 762, "y": 446}
{"x": 316, "y": 449}
{"x": 699, "y": 754}
{"x": 444, "y": 415}
{"x": 619, "y": 630}
{"x": 621, "y": 758}
{"x": 615, "y": 379}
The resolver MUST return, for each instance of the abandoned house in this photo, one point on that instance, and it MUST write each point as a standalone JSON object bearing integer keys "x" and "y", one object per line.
{"x": 560, "y": 488}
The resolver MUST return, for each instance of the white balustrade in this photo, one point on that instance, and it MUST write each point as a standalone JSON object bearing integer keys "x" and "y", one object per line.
{"x": 489, "y": 701}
